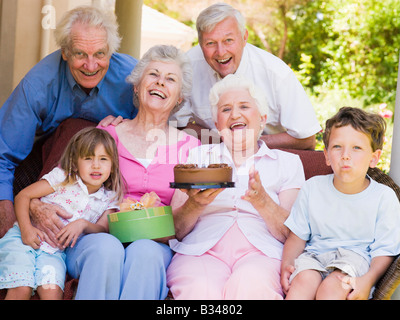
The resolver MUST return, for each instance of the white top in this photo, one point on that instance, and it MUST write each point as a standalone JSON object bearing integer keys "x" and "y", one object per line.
{"x": 144, "y": 162}
{"x": 76, "y": 200}
{"x": 278, "y": 170}
{"x": 367, "y": 222}
{"x": 289, "y": 106}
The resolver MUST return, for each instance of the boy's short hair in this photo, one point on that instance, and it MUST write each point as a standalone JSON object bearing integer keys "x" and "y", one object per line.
{"x": 373, "y": 125}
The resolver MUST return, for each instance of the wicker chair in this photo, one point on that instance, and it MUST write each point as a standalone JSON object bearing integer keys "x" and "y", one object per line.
{"x": 391, "y": 279}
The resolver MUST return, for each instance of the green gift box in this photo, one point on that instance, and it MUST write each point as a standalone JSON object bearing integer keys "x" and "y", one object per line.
{"x": 149, "y": 223}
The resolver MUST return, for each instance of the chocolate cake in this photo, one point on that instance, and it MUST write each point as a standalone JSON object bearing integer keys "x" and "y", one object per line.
{"x": 191, "y": 173}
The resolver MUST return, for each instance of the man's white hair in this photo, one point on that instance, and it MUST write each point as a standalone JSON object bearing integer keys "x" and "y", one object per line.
{"x": 214, "y": 14}
{"x": 91, "y": 16}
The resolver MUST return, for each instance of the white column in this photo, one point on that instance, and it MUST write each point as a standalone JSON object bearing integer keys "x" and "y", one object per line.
{"x": 395, "y": 156}
{"x": 129, "y": 15}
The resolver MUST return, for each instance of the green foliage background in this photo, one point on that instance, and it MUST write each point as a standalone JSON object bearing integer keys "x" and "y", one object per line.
{"x": 352, "y": 46}
{"x": 347, "y": 53}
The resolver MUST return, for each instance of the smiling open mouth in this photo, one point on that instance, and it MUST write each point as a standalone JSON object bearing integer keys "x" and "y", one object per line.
{"x": 157, "y": 93}
{"x": 90, "y": 74}
{"x": 237, "y": 125}
{"x": 224, "y": 61}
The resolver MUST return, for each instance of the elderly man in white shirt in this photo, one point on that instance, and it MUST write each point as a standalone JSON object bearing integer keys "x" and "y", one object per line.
{"x": 223, "y": 50}
{"x": 229, "y": 241}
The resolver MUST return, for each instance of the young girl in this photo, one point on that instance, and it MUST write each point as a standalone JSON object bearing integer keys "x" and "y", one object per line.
{"x": 88, "y": 185}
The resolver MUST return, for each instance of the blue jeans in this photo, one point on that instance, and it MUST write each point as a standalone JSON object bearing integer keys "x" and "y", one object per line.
{"x": 107, "y": 271}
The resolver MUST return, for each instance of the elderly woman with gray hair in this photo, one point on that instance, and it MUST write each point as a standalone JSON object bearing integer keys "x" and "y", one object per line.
{"x": 229, "y": 241}
{"x": 148, "y": 151}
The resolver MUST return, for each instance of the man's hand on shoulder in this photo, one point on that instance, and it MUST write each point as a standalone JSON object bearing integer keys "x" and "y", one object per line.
{"x": 111, "y": 120}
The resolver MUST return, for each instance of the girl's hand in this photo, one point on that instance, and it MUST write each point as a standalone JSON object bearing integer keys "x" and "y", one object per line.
{"x": 71, "y": 232}
{"x": 32, "y": 237}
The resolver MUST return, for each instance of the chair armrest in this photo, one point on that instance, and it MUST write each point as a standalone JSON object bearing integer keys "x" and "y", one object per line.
{"x": 389, "y": 282}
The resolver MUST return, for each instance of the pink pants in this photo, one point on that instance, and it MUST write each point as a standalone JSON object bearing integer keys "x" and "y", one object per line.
{"x": 233, "y": 270}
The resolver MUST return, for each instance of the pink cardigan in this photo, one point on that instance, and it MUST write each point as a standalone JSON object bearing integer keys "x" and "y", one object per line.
{"x": 157, "y": 176}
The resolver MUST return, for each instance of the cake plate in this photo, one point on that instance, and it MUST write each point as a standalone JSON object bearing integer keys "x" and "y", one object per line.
{"x": 218, "y": 185}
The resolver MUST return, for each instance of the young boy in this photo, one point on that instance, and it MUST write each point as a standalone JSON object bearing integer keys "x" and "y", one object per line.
{"x": 345, "y": 227}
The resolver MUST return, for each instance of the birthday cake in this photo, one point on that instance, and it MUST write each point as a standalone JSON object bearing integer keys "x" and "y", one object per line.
{"x": 191, "y": 173}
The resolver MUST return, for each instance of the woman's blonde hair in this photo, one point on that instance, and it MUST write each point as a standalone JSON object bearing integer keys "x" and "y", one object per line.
{"x": 83, "y": 144}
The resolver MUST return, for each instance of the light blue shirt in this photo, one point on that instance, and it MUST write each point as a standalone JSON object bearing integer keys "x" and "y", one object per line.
{"x": 367, "y": 223}
{"x": 48, "y": 95}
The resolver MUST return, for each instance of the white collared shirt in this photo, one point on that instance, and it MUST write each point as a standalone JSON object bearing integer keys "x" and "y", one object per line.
{"x": 278, "y": 170}
{"x": 290, "y": 109}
